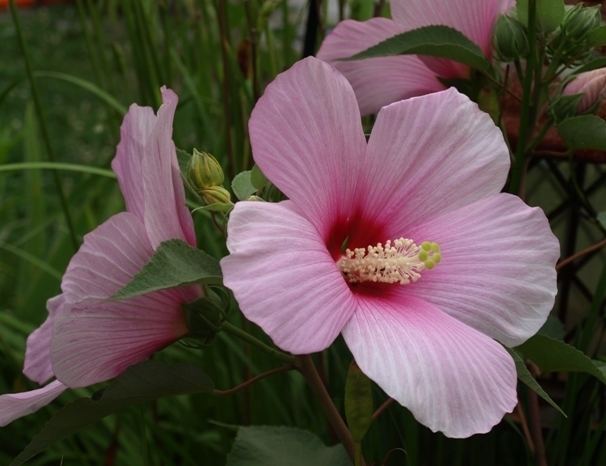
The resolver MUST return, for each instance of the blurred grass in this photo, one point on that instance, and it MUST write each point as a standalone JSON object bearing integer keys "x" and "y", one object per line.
{"x": 94, "y": 58}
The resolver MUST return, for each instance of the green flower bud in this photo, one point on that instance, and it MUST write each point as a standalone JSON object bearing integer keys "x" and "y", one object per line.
{"x": 204, "y": 171}
{"x": 216, "y": 194}
{"x": 510, "y": 39}
{"x": 580, "y": 20}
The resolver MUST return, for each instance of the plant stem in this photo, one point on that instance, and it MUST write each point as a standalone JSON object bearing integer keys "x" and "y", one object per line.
{"x": 570, "y": 259}
{"x": 527, "y": 97}
{"x": 311, "y": 28}
{"x": 536, "y": 429}
{"x": 253, "y": 37}
{"x": 253, "y": 380}
{"x": 230, "y": 328}
{"x": 224, "y": 38}
{"x": 307, "y": 367}
{"x": 386, "y": 404}
{"x": 539, "y": 137}
{"x": 42, "y": 123}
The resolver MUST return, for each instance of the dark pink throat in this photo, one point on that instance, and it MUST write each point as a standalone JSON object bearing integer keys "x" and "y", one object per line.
{"x": 357, "y": 231}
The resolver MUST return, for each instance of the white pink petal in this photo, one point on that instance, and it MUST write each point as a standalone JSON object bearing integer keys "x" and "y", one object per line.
{"x": 452, "y": 378}
{"x": 284, "y": 278}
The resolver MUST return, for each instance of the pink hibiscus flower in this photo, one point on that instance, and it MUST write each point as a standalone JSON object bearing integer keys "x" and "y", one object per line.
{"x": 381, "y": 81}
{"x": 87, "y": 337}
{"x": 591, "y": 84}
{"x": 465, "y": 265}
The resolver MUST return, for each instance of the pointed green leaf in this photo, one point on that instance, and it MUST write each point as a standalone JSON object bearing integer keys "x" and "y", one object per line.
{"x": 552, "y": 355}
{"x": 592, "y": 65}
{"x": 527, "y": 379}
{"x": 139, "y": 384}
{"x": 597, "y": 37}
{"x": 257, "y": 178}
{"x": 283, "y": 446}
{"x": 243, "y": 186}
{"x": 584, "y": 132}
{"x": 553, "y": 328}
{"x": 86, "y": 85}
{"x": 175, "y": 263}
{"x": 435, "y": 41}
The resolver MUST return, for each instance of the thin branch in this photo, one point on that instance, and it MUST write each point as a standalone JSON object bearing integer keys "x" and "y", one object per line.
{"x": 253, "y": 37}
{"x": 570, "y": 259}
{"x": 225, "y": 93}
{"x": 521, "y": 418}
{"x": 247, "y": 383}
{"x": 386, "y": 404}
{"x": 309, "y": 371}
{"x": 536, "y": 429}
{"x": 238, "y": 332}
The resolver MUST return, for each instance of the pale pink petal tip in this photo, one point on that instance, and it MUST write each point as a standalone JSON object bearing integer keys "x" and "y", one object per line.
{"x": 37, "y": 364}
{"x": 148, "y": 172}
{"x": 16, "y": 405}
{"x": 284, "y": 278}
{"x": 377, "y": 81}
{"x": 452, "y": 378}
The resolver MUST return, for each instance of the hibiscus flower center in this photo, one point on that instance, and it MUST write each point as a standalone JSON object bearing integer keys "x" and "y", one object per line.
{"x": 400, "y": 261}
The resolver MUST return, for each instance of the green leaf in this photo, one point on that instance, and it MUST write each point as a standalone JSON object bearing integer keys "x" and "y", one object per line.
{"x": 243, "y": 186}
{"x": 584, "y": 132}
{"x": 597, "y": 37}
{"x": 155, "y": 379}
{"x": 602, "y": 219}
{"x": 86, "y": 85}
{"x": 358, "y": 402}
{"x": 70, "y": 167}
{"x": 257, "y": 178}
{"x": 527, "y": 379}
{"x": 361, "y": 9}
{"x": 175, "y": 263}
{"x": 553, "y": 328}
{"x": 283, "y": 446}
{"x": 435, "y": 41}
{"x": 592, "y": 65}
{"x": 552, "y": 355}
{"x": 139, "y": 384}
{"x": 549, "y": 13}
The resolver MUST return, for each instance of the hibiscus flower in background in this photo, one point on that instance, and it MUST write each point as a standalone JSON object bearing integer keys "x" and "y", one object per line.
{"x": 88, "y": 337}
{"x": 591, "y": 85}
{"x": 404, "y": 244}
{"x": 381, "y": 81}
